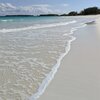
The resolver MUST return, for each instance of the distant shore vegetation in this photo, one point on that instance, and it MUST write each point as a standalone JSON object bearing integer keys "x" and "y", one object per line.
{"x": 86, "y": 11}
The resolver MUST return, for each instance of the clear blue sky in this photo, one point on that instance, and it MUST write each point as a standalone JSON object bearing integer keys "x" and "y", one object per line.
{"x": 72, "y": 4}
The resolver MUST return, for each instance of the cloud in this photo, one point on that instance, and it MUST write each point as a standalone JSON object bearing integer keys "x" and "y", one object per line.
{"x": 37, "y": 9}
{"x": 9, "y": 9}
{"x": 65, "y": 5}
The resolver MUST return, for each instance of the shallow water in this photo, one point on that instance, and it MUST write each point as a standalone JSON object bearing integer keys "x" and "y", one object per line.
{"x": 31, "y": 49}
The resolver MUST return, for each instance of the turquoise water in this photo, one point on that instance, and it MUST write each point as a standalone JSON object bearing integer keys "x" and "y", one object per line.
{"x": 31, "y": 49}
{"x": 17, "y": 22}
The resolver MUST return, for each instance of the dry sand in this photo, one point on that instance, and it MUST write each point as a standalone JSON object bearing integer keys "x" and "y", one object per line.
{"x": 78, "y": 77}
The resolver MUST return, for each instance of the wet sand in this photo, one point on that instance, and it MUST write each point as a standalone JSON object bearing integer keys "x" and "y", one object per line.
{"x": 78, "y": 77}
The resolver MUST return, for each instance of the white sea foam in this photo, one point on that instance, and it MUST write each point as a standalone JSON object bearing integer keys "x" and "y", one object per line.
{"x": 37, "y": 27}
{"x": 75, "y": 29}
{"x": 50, "y": 76}
{"x": 10, "y": 20}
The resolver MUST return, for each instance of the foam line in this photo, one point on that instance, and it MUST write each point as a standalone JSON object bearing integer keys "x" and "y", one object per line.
{"x": 50, "y": 76}
{"x": 37, "y": 27}
{"x": 10, "y": 20}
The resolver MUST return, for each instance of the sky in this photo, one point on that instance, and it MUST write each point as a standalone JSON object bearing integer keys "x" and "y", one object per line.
{"x": 36, "y": 7}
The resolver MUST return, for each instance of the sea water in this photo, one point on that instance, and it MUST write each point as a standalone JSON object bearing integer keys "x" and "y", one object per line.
{"x": 31, "y": 49}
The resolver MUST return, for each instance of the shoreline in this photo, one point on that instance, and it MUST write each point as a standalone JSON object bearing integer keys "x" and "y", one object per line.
{"x": 51, "y": 75}
{"x": 52, "y": 89}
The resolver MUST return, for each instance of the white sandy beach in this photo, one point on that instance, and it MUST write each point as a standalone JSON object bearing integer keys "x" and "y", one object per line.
{"x": 78, "y": 77}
